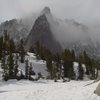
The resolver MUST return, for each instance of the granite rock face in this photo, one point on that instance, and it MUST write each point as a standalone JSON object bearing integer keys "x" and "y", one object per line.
{"x": 16, "y": 29}
{"x": 41, "y": 32}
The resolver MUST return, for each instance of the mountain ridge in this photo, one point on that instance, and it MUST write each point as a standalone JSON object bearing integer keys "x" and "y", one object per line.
{"x": 41, "y": 32}
{"x": 64, "y": 33}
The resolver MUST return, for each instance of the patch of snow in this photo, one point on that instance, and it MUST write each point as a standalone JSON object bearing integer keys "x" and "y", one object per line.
{"x": 75, "y": 66}
{"x": 84, "y": 68}
{"x": 39, "y": 66}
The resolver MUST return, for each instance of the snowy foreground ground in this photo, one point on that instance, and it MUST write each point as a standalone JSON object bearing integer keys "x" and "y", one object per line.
{"x": 47, "y": 90}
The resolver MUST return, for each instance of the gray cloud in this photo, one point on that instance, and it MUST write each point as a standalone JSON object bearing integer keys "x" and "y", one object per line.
{"x": 81, "y": 10}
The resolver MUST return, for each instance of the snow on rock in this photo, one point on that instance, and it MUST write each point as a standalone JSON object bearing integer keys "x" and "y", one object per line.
{"x": 97, "y": 91}
{"x": 75, "y": 66}
{"x": 47, "y": 90}
{"x": 84, "y": 68}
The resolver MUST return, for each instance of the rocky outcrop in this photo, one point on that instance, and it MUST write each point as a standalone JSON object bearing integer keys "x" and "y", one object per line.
{"x": 16, "y": 29}
{"x": 97, "y": 91}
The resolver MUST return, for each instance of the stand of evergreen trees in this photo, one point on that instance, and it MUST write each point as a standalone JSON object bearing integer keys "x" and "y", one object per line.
{"x": 54, "y": 63}
{"x": 11, "y": 53}
{"x": 9, "y": 61}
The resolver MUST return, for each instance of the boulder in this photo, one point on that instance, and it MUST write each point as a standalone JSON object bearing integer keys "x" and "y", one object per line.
{"x": 97, "y": 91}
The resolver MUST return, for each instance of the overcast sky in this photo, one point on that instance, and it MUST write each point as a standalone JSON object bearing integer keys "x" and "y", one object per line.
{"x": 81, "y": 10}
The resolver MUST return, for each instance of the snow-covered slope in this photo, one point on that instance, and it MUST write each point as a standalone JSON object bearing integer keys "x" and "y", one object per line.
{"x": 47, "y": 90}
{"x": 39, "y": 66}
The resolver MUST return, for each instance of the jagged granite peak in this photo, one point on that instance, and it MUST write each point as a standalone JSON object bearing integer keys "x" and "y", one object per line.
{"x": 41, "y": 32}
{"x": 46, "y": 10}
{"x": 68, "y": 33}
{"x": 45, "y": 28}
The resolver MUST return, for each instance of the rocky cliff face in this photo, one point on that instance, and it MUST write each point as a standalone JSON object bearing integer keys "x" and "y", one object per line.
{"x": 53, "y": 33}
{"x": 16, "y": 29}
{"x": 42, "y": 33}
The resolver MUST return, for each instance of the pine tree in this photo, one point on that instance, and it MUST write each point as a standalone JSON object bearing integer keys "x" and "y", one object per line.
{"x": 49, "y": 63}
{"x": 10, "y": 63}
{"x": 6, "y": 36}
{"x": 73, "y": 55}
{"x": 22, "y": 51}
{"x": 31, "y": 72}
{"x": 27, "y": 69}
{"x": 6, "y": 48}
{"x": 6, "y": 41}
{"x": 4, "y": 67}
{"x": 88, "y": 63}
{"x": 12, "y": 47}
{"x": 3, "y": 50}
{"x": 81, "y": 58}
{"x": 1, "y": 47}
{"x": 31, "y": 49}
{"x": 57, "y": 60}
{"x": 64, "y": 58}
{"x": 68, "y": 64}
{"x": 95, "y": 69}
{"x": 80, "y": 71}
{"x": 16, "y": 67}
{"x": 55, "y": 76}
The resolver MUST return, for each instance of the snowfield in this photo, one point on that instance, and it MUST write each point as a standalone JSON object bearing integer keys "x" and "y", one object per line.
{"x": 39, "y": 66}
{"x": 47, "y": 90}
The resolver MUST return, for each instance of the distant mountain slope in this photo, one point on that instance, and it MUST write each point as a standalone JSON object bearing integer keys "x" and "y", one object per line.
{"x": 55, "y": 34}
{"x": 16, "y": 29}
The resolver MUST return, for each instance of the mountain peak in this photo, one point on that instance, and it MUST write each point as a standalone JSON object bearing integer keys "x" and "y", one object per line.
{"x": 46, "y": 10}
{"x": 41, "y": 32}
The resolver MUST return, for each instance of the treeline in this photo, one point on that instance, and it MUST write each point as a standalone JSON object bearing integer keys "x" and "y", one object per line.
{"x": 11, "y": 54}
{"x": 59, "y": 65}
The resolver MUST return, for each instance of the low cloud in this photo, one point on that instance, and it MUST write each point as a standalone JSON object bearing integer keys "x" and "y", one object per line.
{"x": 83, "y": 11}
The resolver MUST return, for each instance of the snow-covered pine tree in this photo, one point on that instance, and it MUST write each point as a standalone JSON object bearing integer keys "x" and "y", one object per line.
{"x": 10, "y": 64}
{"x": 4, "y": 66}
{"x": 80, "y": 71}
{"x": 16, "y": 67}
{"x": 55, "y": 76}
{"x": 31, "y": 72}
{"x": 26, "y": 69}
